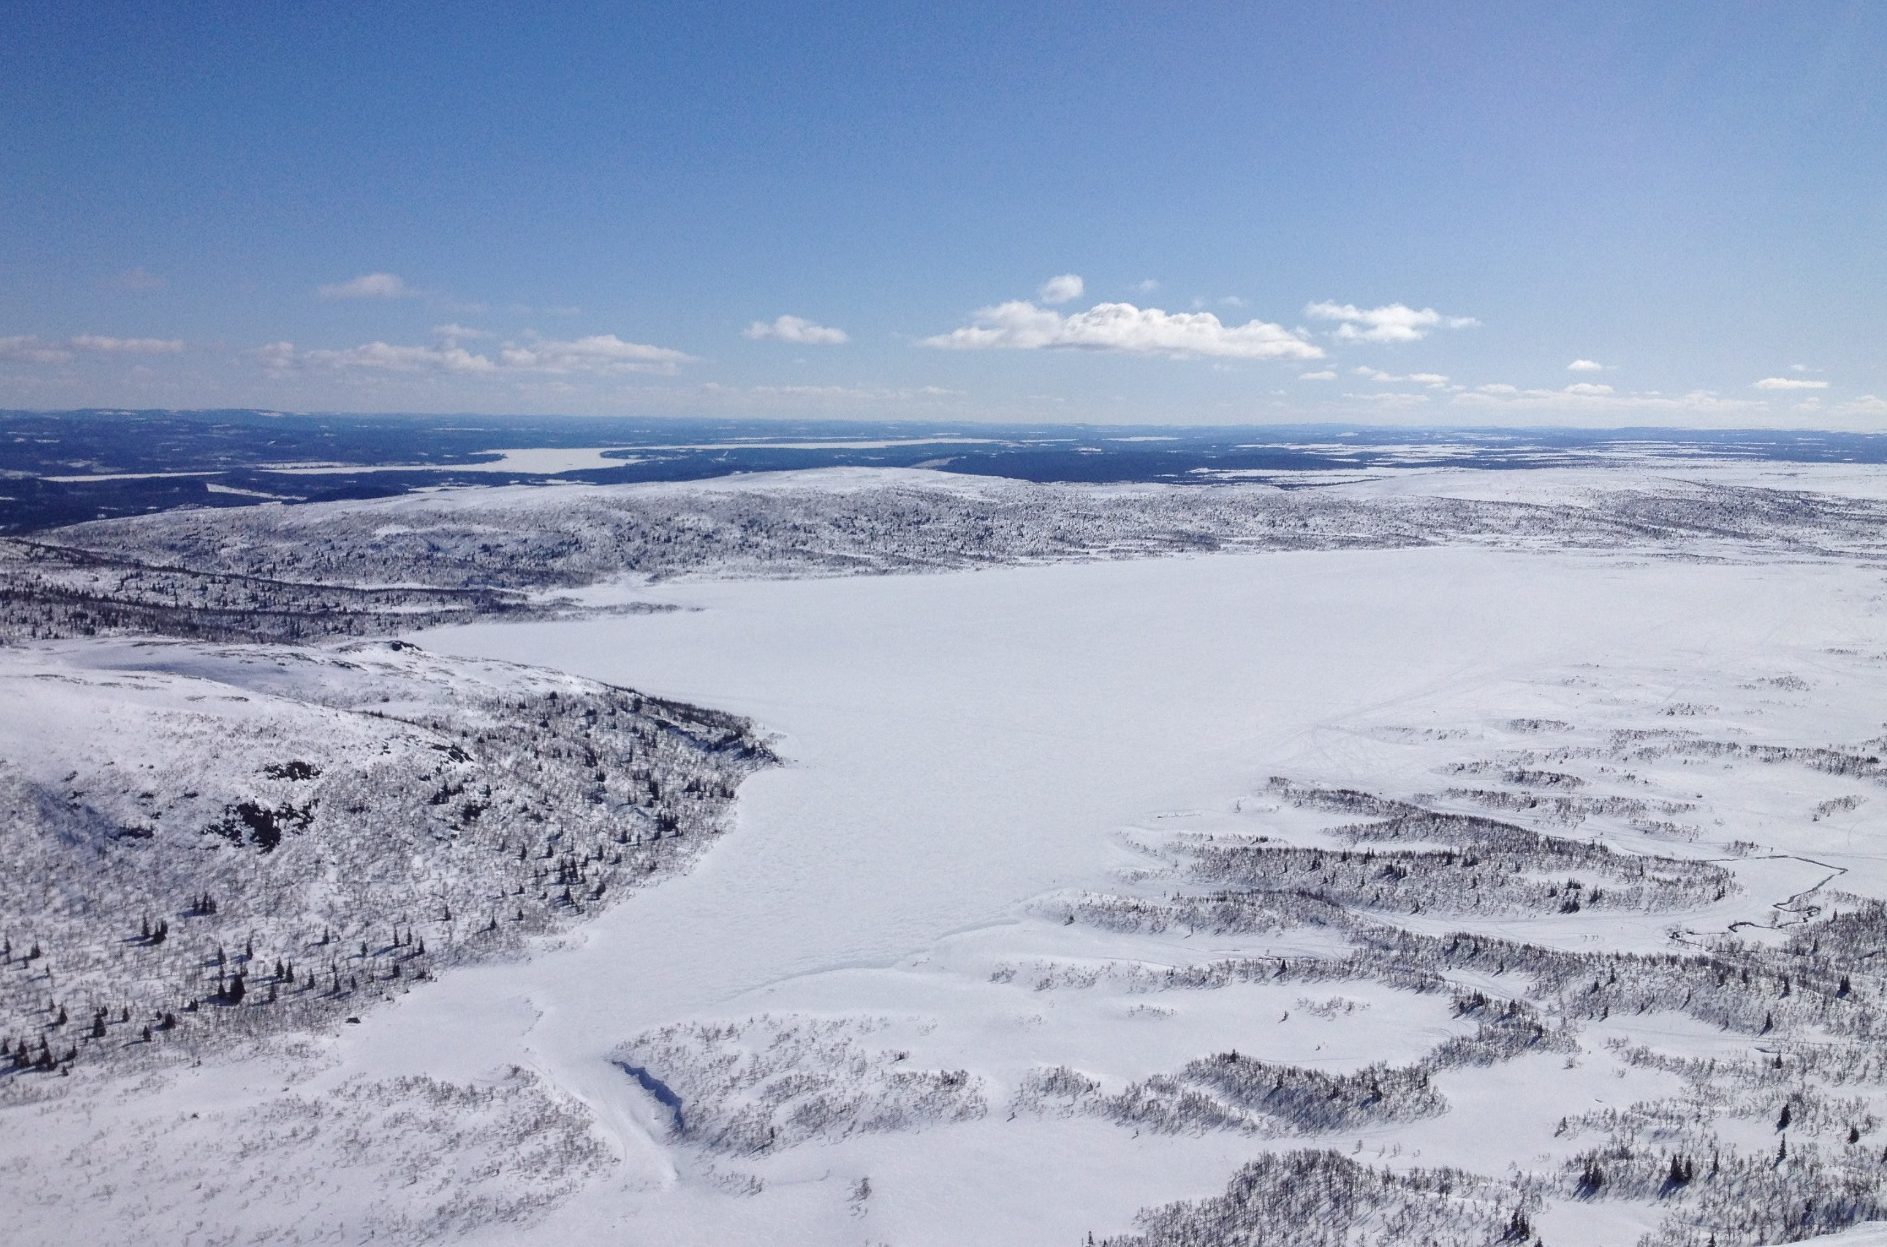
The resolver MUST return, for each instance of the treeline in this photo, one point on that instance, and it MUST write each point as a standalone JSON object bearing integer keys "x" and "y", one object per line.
{"x": 1324, "y": 1199}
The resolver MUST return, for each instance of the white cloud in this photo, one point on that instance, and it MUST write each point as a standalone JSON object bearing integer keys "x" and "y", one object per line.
{"x": 1585, "y": 365}
{"x": 1866, "y": 405}
{"x": 1063, "y": 289}
{"x": 599, "y": 354}
{"x": 1433, "y": 379}
{"x": 1146, "y": 285}
{"x": 27, "y": 349}
{"x": 31, "y": 349}
{"x": 1585, "y": 399}
{"x": 797, "y": 329}
{"x": 127, "y": 346}
{"x": 1322, "y": 374}
{"x": 376, "y": 357}
{"x": 1394, "y": 322}
{"x": 277, "y": 356}
{"x": 457, "y": 333}
{"x": 1790, "y": 383}
{"x": 853, "y": 393}
{"x": 368, "y": 286}
{"x": 1022, "y": 326}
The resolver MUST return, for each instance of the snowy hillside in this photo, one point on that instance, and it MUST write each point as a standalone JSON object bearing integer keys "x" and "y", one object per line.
{"x": 195, "y": 831}
{"x": 280, "y": 572}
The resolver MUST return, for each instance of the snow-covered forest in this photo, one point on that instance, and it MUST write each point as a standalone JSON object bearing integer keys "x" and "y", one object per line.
{"x": 209, "y": 843}
{"x": 284, "y": 573}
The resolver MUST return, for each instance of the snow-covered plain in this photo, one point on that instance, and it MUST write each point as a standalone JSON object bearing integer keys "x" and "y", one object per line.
{"x": 961, "y": 745}
{"x": 926, "y": 988}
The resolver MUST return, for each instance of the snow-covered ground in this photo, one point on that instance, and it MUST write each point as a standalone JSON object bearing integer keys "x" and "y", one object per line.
{"x": 961, "y": 745}
{"x": 987, "y": 958}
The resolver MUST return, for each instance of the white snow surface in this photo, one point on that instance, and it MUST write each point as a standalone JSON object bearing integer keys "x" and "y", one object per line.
{"x": 961, "y": 744}
{"x": 961, "y": 750}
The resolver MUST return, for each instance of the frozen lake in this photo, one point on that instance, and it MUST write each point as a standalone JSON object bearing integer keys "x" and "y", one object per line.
{"x": 958, "y": 744}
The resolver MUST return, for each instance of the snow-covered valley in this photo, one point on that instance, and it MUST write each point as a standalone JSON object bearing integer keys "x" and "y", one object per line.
{"x": 1081, "y": 886}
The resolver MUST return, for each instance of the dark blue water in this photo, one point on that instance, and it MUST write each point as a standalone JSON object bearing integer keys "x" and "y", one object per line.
{"x": 660, "y": 1090}
{"x": 231, "y": 450}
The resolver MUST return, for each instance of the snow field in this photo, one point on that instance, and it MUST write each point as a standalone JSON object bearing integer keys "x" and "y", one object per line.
{"x": 959, "y": 745}
{"x": 966, "y": 752}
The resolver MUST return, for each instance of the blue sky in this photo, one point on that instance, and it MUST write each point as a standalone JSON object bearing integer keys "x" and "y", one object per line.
{"x": 1395, "y": 213}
